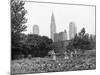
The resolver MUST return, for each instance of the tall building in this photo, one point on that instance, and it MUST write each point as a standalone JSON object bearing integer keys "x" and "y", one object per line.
{"x": 56, "y": 37}
{"x": 65, "y": 35}
{"x": 61, "y": 36}
{"x": 72, "y": 30}
{"x": 36, "y": 29}
{"x": 52, "y": 27}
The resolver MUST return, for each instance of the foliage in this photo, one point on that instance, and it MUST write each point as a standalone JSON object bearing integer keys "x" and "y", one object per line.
{"x": 17, "y": 25}
{"x": 93, "y": 41}
{"x": 18, "y": 16}
{"x": 38, "y": 45}
{"x": 82, "y": 41}
{"x": 34, "y": 45}
{"x": 37, "y": 65}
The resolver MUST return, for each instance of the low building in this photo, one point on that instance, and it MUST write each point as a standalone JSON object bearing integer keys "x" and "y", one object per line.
{"x": 61, "y": 36}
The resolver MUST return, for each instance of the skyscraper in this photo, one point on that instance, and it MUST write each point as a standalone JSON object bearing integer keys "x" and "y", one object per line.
{"x": 72, "y": 30}
{"x": 36, "y": 29}
{"x": 65, "y": 35}
{"x": 61, "y": 36}
{"x": 52, "y": 27}
{"x": 56, "y": 37}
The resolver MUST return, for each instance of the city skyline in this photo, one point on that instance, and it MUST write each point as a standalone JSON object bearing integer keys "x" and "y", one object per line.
{"x": 63, "y": 16}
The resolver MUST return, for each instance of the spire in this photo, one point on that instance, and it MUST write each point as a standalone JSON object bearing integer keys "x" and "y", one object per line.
{"x": 52, "y": 14}
{"x": 52, "y": 26}
{"x": 52, "y": 17}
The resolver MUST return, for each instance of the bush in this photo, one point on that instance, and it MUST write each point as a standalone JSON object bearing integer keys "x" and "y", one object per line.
{"x": 29, "y": 56}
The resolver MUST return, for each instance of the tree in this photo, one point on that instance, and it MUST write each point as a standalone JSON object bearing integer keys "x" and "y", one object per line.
{"x": 18, "y": 16}
{"x": 17, "y": 19}
{"x": 37, "y": 46}
{"x": 17, "y": 24}
{"x": 93, "y": 41}
{"x": 81, "y": 41}
{"x": 45, "y": 45}
{"x": 82, "y": 33}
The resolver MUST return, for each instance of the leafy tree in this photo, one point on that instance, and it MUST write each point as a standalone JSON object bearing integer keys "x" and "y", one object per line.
{"x": 93, "y": 41}
{"x": 45, "y": 45}
{"x": 18, "y": 16}
{"x": 37, "y": 46}
{"x": 81, "y": 33}
{"x": 81, "y": 41}
{"x": 17, "y": 24}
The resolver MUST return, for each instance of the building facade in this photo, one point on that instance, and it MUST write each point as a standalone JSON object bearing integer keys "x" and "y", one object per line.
{"x": 36, "y": 29}
{"x": 56, "y": 37}
{"x": 61, "y": 36}
{"x": 72, "y": 30}
{"x": 65, "y": 35}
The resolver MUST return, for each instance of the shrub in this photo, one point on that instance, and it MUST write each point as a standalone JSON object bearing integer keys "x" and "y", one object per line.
{"x": 29, "y": 56}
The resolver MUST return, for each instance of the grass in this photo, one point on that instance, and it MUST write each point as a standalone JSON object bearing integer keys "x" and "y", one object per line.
{"x": 86, "y": 61}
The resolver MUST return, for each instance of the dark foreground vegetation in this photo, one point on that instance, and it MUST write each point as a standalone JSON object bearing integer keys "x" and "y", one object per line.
{"x": 86, "y": 61}
{"x": 25, "y": 44}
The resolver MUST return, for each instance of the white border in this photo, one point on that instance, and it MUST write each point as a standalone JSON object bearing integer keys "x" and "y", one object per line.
{"x": 5, "y": 37}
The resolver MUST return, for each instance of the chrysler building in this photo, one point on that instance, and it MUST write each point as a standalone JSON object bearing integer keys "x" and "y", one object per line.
{"x": 52, "y": 27}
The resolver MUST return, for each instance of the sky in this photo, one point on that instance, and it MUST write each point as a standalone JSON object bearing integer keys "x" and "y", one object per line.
{"x": 40, "y": 14}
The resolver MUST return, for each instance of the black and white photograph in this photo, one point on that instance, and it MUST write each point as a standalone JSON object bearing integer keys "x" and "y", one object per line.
{"x": 52, "y": 37}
